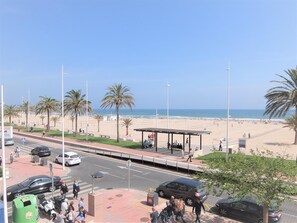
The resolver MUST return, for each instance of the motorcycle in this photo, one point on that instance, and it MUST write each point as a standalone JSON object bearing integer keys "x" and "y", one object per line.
{"x": 47, "y": 206}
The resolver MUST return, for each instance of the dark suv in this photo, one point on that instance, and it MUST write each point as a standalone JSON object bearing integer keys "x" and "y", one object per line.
{"x": 245, "y": 209}
{"x": 183, "y": 188}
{"x": 41, "y": 151}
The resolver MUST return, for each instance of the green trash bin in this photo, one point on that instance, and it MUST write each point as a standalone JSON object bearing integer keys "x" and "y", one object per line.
{"x": 24, "y": 209}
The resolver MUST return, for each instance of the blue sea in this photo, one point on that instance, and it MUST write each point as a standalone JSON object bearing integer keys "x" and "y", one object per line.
{"x": 191, "y": 113}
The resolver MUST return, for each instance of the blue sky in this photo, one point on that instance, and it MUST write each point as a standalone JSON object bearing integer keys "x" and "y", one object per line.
{"x": 145, "y": 44}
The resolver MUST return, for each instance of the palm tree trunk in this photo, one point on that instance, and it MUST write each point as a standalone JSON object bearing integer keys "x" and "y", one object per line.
{"x": 48, "y": 121}
{"x": 127, "y": 130}
{"x": 118, "y": 131}
{"x": 295, "y": 141}
{"x": 10, "y": 119}
{"x": 75, "y": 124}
{"x": 27, "y": 114}
{"x": 98, "y": 125}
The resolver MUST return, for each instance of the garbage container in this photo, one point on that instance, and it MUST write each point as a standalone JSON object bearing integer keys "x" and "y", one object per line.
{"x": 24, "y": 209}
{"x": 43, "y": 162}
{"x": 152, "y": 198}
{"x": 36, "y": 159}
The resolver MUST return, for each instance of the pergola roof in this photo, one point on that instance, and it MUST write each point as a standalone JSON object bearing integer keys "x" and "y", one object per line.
{"x": 174, "y": 131}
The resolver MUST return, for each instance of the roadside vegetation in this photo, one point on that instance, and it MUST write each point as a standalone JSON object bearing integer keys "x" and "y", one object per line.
{"x": 83, "y": 138}
{"x": 268, "y": 177}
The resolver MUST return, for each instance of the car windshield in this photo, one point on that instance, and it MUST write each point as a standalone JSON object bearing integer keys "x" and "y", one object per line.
{"x": 26, "y": 183}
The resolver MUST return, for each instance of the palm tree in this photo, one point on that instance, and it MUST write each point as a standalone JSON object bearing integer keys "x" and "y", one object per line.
{"x": 26, "y": 108}
{"x": 55, "y": 119}
{"x": 291, "y": 122}
{"x": 11, "y": 111}
{"x": 127, "y": 122}
{"x": 117, "y": 96}
{"x": 98, "y": 118}
{"x": 72, "y": 120}
{"x": 282, "y": 98}
{"x": 47, "y": 105}
{"x": 75, "y": 104}
{"x": 42, "y": 118}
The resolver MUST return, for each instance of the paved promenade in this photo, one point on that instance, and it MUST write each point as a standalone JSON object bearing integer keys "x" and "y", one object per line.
{"x": 117, "y": 205}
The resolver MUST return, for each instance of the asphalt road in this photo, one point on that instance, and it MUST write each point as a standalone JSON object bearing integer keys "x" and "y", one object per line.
{"x": 116, "y": 175}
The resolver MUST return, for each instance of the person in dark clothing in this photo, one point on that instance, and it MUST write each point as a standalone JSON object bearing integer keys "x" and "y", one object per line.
{"x": 154, "y": 215}
{"x": 197, "y": 208}
{"x": 63, "y": 190}
{"x": 191, "y": 153}
{"x": 76, "y": 189}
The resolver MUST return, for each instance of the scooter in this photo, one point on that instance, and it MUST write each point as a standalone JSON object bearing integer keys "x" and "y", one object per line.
{"x": 47, "y": 206}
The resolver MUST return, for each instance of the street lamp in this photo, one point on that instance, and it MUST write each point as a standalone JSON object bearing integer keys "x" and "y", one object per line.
{"x": 228, "y": 105}
{"x": 63, "y": 142}
{"x": 3, "y": 158}
{"x": 168, "y": 85}
{"x": 87, "y": 114}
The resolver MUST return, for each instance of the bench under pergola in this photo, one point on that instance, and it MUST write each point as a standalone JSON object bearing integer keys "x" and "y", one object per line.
{"x": 172, "y": 132}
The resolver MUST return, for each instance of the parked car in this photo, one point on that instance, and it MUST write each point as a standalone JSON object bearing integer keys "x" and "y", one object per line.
{"x": 33, "y": 185}
{"x": 41, "y": 151}
{"x": 245, "y": 209}
{"x": 183, "y": 188}
{"x": 70, "y": 158}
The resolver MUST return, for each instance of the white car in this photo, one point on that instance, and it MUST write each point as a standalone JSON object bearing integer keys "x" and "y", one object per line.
{"x": 70, "y": 158}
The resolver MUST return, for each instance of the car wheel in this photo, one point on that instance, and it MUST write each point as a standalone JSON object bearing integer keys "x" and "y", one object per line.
{"x": 223, "y": 212}
{"x": 161, "y": 193}
{"x": 51, "y": 188}
{"x": 189, "y": 201}
{"x": 56, "y": 161}
{"x": 66, "y": 164}
{"x": 260, "y": 221}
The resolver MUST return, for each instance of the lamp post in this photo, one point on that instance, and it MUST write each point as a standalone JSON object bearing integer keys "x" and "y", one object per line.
{"x": 228, "y": 105}
{"x": 63, "y": 142}
{"x": 3, "y": 160}
{"x": 87, "y": 114}
{"x": 168, "y": 85}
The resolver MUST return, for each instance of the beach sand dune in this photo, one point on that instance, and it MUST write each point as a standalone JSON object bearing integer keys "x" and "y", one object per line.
{"x": 259, "y": 134}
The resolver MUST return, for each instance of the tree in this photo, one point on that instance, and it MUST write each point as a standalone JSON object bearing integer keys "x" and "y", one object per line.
{"x": 269, "y": 179}
{"x": 117, "y": 96}
{"x": 291, "y": 123}
{"x": 282, "y": 98}
{"x": 42, "y": 118}
{"x": 47, "y": 105}
{"x": 55, "y": 119}
{"x": 11, "y": 111}
{"x": 98, "y": 118}
{"x": 26, "y": 108}
{"x": 72, "y": 120}
{"x": 75, "y": 105}
{"x": 127, "y": 122}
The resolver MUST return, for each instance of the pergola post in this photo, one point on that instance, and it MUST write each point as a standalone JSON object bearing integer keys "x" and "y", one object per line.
{"x": 200, "y": 142}
{"x": 171, "y": 143}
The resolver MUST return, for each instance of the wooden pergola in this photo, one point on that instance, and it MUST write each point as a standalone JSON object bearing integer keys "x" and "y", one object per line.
{"x": 171, "y": 132}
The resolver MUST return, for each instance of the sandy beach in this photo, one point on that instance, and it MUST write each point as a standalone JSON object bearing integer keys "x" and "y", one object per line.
{"x": 264, "y": 135}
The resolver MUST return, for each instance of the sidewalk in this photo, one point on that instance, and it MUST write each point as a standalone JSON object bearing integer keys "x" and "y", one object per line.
{"x": 117, "y": 205}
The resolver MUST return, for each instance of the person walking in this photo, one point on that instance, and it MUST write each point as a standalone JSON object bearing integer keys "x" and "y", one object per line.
{"x": 197, "y": 208}
{"x": 70, "y": 216}
{"x": 190, "y": 155}
{"x": 17, "y": 151}
{"x": 81, "y": 203}
{"x": 154, "y": 215}
{"x": 64, "y": 189}
{"x": 11, "y": 157}
{"x": 0, "y": 160}
{"x": 179, "y": 210}
{"x": 220, "y": 146}
{"x": 81, "y": 217}
{"x": 76, "y": 189}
